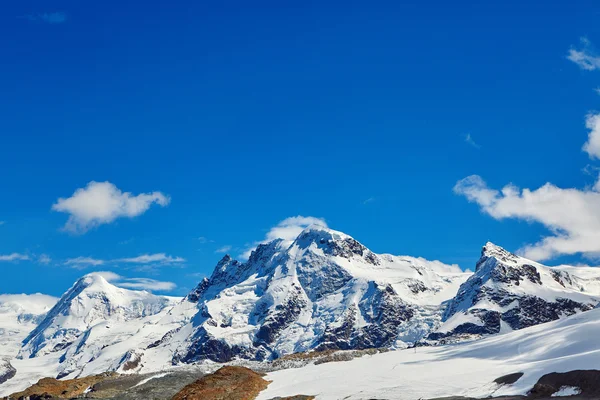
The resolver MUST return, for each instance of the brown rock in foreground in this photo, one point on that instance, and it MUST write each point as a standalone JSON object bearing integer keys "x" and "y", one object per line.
{"x": 228, "y": 383}
{"x": 53, "y": 388}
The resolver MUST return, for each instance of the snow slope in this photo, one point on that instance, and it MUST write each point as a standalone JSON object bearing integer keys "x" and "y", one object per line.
{"x": 466, "y": 369}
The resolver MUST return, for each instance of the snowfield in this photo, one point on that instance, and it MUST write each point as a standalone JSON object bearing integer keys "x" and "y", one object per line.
{"x": 19, "y": 315}
{"x": 466, "y": 369}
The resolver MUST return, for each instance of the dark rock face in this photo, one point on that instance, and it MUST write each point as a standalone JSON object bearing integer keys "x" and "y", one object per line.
{"x": 207, "y": 347}
{"x": 7, "y": 371}
{"x": 513, "y": 275}
{"x": 281, "y": 318}
{"x": 195, "y": 295}
{"x": 533, "y": 311}
{"x": 384, "y": 311}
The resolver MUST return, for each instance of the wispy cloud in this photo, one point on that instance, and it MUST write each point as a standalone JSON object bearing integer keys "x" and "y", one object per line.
{"x": 58, "y": 17}
{"x": 136, "y": 283}
{"x": 160, "y": 258}
{"x": 369, "y": 200}
{"x": 2, "y": 223}
{"x": 585, "y": 56}
{"x": 153, "y": 260}
{"x": 80, "y": 262}
{"x": 204, "y": 240}
{"x": 469, "y": 140}
{"x": 44, "y": 259}
{"x": 14, "y": 257}
{"x": 102, "y": 203}
{"x": 223, "y": 249}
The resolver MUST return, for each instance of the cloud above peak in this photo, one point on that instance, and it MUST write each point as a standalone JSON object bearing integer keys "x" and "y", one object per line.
{"x": 585, "y": 57}
{"x": 102, "y": 203}
{"x": 290, "y": 228}
{"x": 287, "y": 229}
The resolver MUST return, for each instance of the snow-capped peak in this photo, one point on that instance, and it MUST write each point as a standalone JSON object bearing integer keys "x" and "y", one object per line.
{"x": 92, "y": 299}
{"x": 511, "y": 292}
{"x": 495, "y": 252}
{"x": 321, "y": 290}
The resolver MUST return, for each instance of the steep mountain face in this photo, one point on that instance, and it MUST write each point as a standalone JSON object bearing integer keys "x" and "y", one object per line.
{"x": 508, "y": 292}
{"x": 324, "y": 290}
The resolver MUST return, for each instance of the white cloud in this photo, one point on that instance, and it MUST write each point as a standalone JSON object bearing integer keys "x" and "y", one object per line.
{"x": 135, "y": 283}
{"x": 108, "y": 275}
{"x": 160, "y": 258}
{"x": 14, "y": 257}
{"x": 571, "y": 215}
{"x": 144, "y": 259}
{"x": 592, "y": 146}
{"x": 470, "y": 141}
{"x": 223, "y": 249}
{"x": 44, "y": 259}
{"x": 102, "y": 203}
{"x": 84, "y": 261}
{"x": 147, "y": 284}
{"x": 288, "y": 229}
{"x": 586, "y": 58}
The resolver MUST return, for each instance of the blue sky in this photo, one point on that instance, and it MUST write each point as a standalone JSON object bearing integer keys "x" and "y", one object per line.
{"x": 229, "y": 118}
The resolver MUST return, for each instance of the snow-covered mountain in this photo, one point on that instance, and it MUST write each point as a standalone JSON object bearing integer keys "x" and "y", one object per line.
{"x": 94, "y": 327}
{"x": 508, "y": 292}
{"x": 91, "y": 300}
{"x": 323, "y": 290}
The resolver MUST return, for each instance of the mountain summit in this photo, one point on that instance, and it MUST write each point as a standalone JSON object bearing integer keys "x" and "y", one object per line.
{"x": 509, "y": 292}
{"x": 323, "y": 290}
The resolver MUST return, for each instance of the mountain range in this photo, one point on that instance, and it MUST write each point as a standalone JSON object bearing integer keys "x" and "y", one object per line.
{"x": 321, "y": 291}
